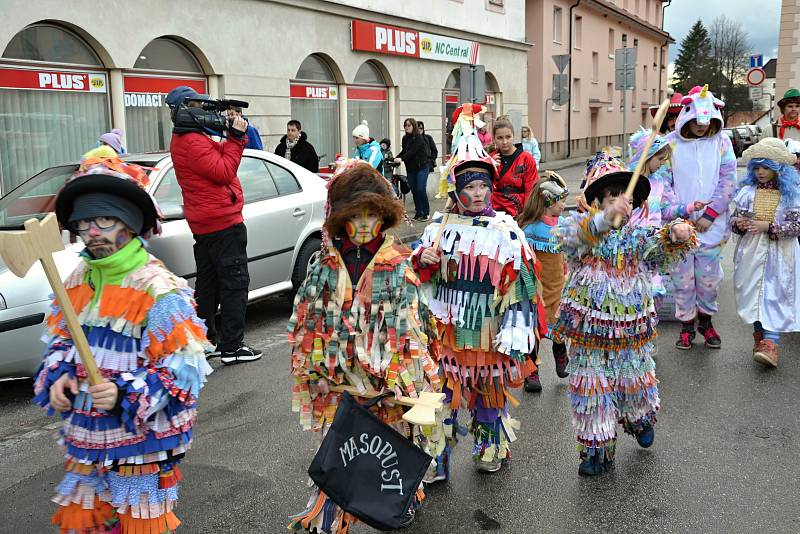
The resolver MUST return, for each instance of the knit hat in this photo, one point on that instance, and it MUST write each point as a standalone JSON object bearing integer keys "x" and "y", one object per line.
{"x": 362, "y": 131}
{"x": 792, "y": 95}
{"x": 112, "y": 178}
{"x": 770, "y": 148}
{"x": 467, "y": 152}
{"x": 114, "y": 140}
{"x": 604, "y": 170}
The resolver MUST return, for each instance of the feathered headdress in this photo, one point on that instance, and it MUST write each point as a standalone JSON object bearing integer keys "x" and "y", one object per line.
{"x": 466, "y": 148}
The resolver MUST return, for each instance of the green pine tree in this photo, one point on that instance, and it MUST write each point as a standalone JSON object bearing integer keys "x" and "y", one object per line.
{"x": 693, "y": 59}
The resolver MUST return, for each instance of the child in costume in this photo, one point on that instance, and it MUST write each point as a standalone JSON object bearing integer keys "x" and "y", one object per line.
{"x": 788, "y": 126}
{"x": 607, "y": 314}
{"x": 481, "y": 278}
{"x": 125, "y": 437}
{"x": 538, "y": 220}
{"x": 359, "y": 319}
{"x": 766, "y": 273}
{"x": 704, "y": 170}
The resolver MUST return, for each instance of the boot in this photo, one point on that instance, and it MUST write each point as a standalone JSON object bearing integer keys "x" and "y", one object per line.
{"x": 561, "y": 358}
{"x": 766, "y": 353}
{"x": 704, "y": 326}
{"x": 686, "y": 336}
{"x": 592, "y": 465}
{"x": 532, "y": 383}
{"x": 645, "y": 435}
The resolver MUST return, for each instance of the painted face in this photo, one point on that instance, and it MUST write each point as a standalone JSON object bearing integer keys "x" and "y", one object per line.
{"x": 792, "y": 110}
{"x": 659, "y": 159}
{"x": 608, "y": 200}
{"x": 292, "y": 132}
{"x": 504, "y": 141}
{"x": 764, "y": 175}
{"x": 103, "y": 236}
{"x": 364, "y": 228}
{"x": 698, "y": 130}
{"x": 474, "y": 197}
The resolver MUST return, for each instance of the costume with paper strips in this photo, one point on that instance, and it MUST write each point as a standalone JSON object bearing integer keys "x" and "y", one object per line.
{"x": 766, "y": 273}
{"x": 608, "y": 317}
{"x": 359, "y": 319}
{"x": 484, "y": 293}
{"x": 703, "y": 169}
{"x": 139, "y": 318}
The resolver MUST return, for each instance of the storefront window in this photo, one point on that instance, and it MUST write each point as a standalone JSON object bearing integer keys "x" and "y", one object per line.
{"x": 368, "y": 100}
{"x": 49, "y": 115}
{"x": 147, "y": 118}
{"x": 314, "y": 101}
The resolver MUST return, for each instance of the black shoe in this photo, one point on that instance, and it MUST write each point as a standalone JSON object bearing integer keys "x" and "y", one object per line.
{"x": 212, "y": 353}
{"x": 592, "y": 466}
{"x": 532, "y": 383}
{"x": 242, "y": 354}
{"x": 561, "y": 358}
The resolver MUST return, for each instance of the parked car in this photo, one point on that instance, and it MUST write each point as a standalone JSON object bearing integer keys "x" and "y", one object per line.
{"x": 755, "y": 132}
{"x": 746, "y": 135}
{"x": 740, "y": 137}
{"x": 283, "y": 211}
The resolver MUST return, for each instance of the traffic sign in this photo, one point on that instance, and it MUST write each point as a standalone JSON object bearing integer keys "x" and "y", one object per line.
{"x": 756, "y": 76}
{"x": 756, "y": 94}
{"x": 560, "y": 89}
{"x": 756, "y": 60}
{"x": 625, "y": 69}
{"x": 561, "y": 61}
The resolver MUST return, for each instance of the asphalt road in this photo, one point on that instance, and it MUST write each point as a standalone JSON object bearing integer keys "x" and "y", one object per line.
{"x": 725, "y": 457}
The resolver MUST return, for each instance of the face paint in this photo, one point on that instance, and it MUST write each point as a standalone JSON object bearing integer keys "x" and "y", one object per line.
{"x": 103, "y": 242}
{"x": 473, "y": 197}
{"x": 364, "y": 228}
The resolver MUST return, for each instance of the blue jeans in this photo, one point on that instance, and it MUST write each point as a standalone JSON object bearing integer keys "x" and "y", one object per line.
{"x": 418, "y": 181}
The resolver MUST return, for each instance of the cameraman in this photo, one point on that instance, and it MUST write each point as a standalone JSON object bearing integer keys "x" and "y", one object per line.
{"x": 213, "y": 201}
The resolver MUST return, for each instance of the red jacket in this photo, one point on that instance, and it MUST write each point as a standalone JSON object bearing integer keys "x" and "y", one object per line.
{"x": 516, "y": 182}
{"x": 206, "y": 173}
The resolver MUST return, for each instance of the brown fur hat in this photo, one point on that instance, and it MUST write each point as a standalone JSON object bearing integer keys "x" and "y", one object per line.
{"x": 360, "y": 187}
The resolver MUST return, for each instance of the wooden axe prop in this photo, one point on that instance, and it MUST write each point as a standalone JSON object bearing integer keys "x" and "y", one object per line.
{"x": 657, "y": 120}
{"x": 423, "y": 408}
{"x": 21, "y": 249}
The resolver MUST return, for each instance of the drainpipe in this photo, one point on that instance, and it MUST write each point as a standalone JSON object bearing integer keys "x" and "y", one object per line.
{"x": 661, "y": 55}
{"x": 569, "y": 102}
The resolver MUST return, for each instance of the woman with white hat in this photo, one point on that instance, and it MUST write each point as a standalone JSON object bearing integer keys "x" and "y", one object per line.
{"x": 367, "y": 148}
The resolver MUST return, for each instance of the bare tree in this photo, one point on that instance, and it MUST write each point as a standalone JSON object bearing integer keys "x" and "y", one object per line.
{"x": 730, "y": 48}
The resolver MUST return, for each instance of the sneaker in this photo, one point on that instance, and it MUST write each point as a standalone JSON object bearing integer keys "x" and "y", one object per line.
{"x": 242, "y": 354}
{"x": 532, "y": 383}
{"x": 212, "y": 353}
{"x": 758, "y": 336}
{"x": 713, "y": 341}
{"x": 437, "y": 471}
{"x": 489, "y": 466}
{"x": 561, "y": 358}
{"x": 766, "y": 353}
{"x": 592, "y": 466}
{"x": 409, "y": 518}
{"x": 686, "y": 336}
{"x": 646, "y": 435}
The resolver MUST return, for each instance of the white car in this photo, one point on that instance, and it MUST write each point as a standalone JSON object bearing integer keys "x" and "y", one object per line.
{"x": 283, "y": 212}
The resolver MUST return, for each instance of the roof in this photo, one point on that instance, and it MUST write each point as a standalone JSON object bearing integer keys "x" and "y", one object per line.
{"x": 769, "y": 67}
{"x": 744, "y": 117}
{"x": 606, "y": 7}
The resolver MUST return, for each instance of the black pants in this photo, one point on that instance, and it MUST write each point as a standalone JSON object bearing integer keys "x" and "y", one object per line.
{"x": 222, "y": 280}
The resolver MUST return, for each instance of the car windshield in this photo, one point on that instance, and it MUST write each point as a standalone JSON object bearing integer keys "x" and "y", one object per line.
{"x": 743, "y": 130}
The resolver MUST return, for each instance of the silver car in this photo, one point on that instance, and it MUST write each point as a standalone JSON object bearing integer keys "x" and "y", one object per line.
{"x": 283, "y": 212}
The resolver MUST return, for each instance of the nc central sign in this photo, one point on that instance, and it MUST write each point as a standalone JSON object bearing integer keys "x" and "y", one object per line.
{"x": 392, "y": 40}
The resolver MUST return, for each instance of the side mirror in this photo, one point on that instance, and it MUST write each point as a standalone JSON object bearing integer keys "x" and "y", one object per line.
{"x": 172, "y": 212}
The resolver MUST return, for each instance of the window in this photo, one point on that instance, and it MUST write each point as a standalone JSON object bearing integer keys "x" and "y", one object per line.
{"x": 168, "y": 194}
{"x": 256, "y": 181}
{"x": 635, "y": 42}
{"x": 576, "y": 94}
{"x": 284, "y": 180}
{"x": 595, "y": 66}
{"x": 319, "y": 113}
{"x": 578, "y": 32}
{"x": 655, "y": 56}
{"x": 314, "y": 69}
{"x": 654, "y": 101}
{"x": 44, "y": 42}
{"x": 166, "y": 54}
{"x": 557, "y": 17}
{"x": 611, "y": 43}
{"x": 368, "y": 103}
{"x": 644, "y": 77}
{"x": 495, "y": 5}
{"x": 610, "y": 92}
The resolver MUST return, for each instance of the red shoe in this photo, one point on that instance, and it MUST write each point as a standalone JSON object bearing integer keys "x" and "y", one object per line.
{"x": 713, "y": 341}
{"x": 766, "y": 353}
{"x": 686, "y": 336}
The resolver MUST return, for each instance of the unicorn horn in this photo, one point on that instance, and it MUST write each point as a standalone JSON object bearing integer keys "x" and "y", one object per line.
{"x": 704, "y": 92}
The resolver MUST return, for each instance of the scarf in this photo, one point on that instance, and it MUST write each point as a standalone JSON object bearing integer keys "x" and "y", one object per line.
{"x": 289, "y": 146}
{"x": 788, "y": 124}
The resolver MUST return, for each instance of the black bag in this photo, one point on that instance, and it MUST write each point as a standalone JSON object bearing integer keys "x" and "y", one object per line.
{"x": 366, "y": 467}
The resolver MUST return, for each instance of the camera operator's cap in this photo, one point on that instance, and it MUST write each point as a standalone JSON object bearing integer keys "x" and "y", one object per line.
{"x": 101, "y": 171}
{"x": 179, "y": 95}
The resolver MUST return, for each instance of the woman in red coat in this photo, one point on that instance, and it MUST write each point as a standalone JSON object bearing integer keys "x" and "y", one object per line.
{"x": 518, "y": 173}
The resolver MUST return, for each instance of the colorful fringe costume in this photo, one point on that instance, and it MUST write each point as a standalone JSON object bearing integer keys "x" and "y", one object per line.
{"x": 122, "y": 465}
{"x": 607, "y": 314}
{"x": 376, "y": 334}
{"x": 484, "y": 294}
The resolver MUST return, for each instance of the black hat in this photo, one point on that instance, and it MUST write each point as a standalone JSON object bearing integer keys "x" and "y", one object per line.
{"x": 605, "y": 170}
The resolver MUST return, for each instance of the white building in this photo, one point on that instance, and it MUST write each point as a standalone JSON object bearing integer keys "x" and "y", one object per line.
{"x": 70, "y": 71}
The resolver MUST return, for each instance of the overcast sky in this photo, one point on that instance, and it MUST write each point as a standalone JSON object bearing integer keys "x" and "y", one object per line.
{"x": 760, "y": 18}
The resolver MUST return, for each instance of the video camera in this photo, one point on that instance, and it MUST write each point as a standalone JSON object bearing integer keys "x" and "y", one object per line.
{"x": 206, "y": 118}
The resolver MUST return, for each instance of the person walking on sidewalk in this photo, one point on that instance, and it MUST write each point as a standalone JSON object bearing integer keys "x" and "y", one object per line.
{"x": 530, "y": 144}
{"x": 766, "y": 262}
{"x": 416, "y": 156}
{"x": 703, "y": 170}
{"x": 213, "y": 201}
{"x": 539, "y": 220}
{"x": 295, "y": 147}
{"x": 367, "y": 149}
{"x": 518, "y": 173}
{"x": 431, "y": 144}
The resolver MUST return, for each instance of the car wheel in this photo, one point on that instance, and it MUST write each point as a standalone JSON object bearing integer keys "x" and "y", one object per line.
{"x": 307, "y": 251}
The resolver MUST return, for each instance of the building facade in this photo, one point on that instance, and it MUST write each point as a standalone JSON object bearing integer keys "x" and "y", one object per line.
{"x": 67, "y": 74}
{"x": 589, "y": 32}
{"x": 787, "y": 72}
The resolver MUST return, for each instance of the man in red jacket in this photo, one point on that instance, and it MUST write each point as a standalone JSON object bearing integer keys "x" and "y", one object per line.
{"x": 213, "y": 201}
